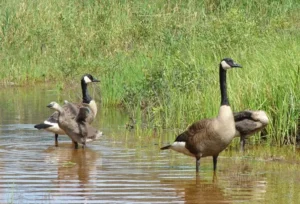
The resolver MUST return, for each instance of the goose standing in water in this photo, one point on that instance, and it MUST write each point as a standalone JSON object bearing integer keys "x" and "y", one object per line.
{"x": 78, "y": 129}
{"x": 51, "y": 123}
{"x": 249, "y": 122}
{"x": 209, "y": 137}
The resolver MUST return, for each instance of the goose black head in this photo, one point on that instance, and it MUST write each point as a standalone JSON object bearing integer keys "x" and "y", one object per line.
{"x": 228, "y": 63}
{"x": 88, "y": 78}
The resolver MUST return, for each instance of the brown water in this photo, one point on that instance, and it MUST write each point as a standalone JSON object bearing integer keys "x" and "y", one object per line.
{"x": 127, "y": 167}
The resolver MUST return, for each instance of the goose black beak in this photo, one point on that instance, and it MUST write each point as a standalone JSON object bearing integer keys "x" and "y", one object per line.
{"x": 236, "y": 65}
{"x": 95, "y": 80}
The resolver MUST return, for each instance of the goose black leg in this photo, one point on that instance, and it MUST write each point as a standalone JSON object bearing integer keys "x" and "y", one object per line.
{"x": 243, "y": 142}
{"x": 197, "y": 164}
{"x": 215, "y": 179}
{"x": 215, "y": 159}
{"x": 56, "y": 140}
{"x": 76, "y": 145}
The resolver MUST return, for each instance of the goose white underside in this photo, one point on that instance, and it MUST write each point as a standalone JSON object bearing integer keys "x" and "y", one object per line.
{"x": 180, "y": 147}
{"x": 54, "y": 128}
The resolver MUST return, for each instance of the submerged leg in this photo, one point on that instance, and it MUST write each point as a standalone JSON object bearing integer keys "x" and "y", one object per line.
{"x": 197, "y": 164}
{"x": 215, "y": 160}
{"x": 243, "y": 142}
{"x": 215, "y": 178}
{"x": 76, "y": 145}
{"x": 198, "y": 180}
{"x": 56, "y": 140}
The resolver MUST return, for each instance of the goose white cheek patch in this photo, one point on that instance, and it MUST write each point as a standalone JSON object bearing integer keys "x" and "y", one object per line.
{"x": 87, "y": 80}
{"x": 225, "y": 65}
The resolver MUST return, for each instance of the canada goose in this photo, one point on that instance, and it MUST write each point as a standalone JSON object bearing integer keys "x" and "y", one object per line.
{"x": 50, "y": 124}
{"x": 249, "y": 122}
{"x": 78, "y": 129}
{"x": 209, "y": 137}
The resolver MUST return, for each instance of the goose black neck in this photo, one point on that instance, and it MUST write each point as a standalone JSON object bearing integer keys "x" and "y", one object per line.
{"x": 86, "y": 98}
{"x": 223, "y": 87}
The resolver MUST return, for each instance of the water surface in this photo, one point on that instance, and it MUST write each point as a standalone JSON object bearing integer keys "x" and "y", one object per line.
{"x": 126, "y": 166}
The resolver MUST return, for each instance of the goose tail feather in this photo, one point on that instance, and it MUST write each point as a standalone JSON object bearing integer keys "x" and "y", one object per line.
{"x": 42, "y": 126}
{"x": 165, "y": 147}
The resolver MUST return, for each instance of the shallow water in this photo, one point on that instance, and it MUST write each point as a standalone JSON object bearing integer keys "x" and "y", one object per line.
{"x": 124, "y": 166}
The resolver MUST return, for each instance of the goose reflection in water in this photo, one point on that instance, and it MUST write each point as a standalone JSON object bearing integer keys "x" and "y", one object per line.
{"x": 197, "y": 190}
{"x": 238, "y": 183}
{"x": 74, "y": 165}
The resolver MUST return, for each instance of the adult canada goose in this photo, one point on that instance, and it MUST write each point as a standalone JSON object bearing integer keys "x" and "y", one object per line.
{"x": 249, "y": 122}
{"x": 51, "y": 123}
{"x": 209, "y": 137}
{"x": 78, "y": 129}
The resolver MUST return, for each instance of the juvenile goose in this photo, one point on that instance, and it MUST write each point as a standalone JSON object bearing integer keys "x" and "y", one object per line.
{"x": 50, "y": 124}
{"x": 209, "y": 137}
{"x": 78, "y": 129}
{"x": 249, "y": 122}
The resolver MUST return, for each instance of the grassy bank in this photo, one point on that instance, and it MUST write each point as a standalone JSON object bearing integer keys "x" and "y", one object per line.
{"x": 160, "y": 59}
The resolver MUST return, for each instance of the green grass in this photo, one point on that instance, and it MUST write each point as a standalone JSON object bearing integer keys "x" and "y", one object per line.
{"x": 160, "y": 59}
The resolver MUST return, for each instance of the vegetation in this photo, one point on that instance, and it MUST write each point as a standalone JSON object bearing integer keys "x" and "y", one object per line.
{"x": 159, "y": 59}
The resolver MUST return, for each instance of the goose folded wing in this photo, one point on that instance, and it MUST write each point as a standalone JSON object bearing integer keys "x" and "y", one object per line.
{"x": 197, "y": 135}
{"x": 248, "y": 127}
{"x": 242, "y": 115}
{"x": 198, "y": 129}
{"x": 82, "y": 114}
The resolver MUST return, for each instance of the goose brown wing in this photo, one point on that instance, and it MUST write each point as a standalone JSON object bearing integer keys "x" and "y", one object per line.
{"x": 196, "y": 134}
{"x": 183, "y": 137}
{"x": 196, "y": 129}
{"x": 91, "y": 116}
{"x": 71, "y": 109}
{"x": 53, "y": 118}
{"x": 248, "y": 127}
{"x": 242, "y": 115}
{"x": 199, "y": 127}
{"x": 82, "y": 114}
